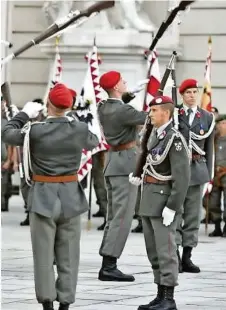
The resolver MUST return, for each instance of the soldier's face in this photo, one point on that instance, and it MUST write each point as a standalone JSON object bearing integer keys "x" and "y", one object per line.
{"x": 158, "y": 116}
{"x": 221, "y": 128}
{"x": 190, "y": 96}
{"x": 121, "y": 87}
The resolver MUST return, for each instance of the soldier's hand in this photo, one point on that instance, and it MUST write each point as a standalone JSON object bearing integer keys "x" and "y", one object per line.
{"x": 135, "y": 180}
{"x": 32, "y": 109}
{"x": 168, "y": 216}
{"x": 139, "y": 87}
{"x": 207, "y": 189}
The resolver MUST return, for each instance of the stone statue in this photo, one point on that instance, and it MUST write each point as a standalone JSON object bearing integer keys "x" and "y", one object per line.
{"x": 125, "y": 14}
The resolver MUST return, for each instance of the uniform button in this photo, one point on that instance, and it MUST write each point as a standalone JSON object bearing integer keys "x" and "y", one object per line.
{"x": 161, "y": 192}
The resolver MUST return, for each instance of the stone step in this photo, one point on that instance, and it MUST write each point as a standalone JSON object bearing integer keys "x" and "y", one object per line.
{"x": 204, "y": 21}
{"x": 27, "y": 92}
{"x": 196, "y": 47}
{"x": 30, "y": 70}
{"x": 186, "y": 69}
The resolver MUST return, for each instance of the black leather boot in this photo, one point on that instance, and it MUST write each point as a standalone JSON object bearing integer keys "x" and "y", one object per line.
{"x": 139, "y": 228}
{"x": 110, "y": 272}
{"x": 167, "y": 302}
{"x": 187, "y": 264}
{"x": 47, "y": 305}
{"x": 102, "y": 226}
{"x": 155, "y": 301}
{"x": 180, "y": 269}
{"x": 217, "y": 230}
{"x": 99, "y": 214}
{"x": 64, "y": 307}
{"x": 26, "y": 222}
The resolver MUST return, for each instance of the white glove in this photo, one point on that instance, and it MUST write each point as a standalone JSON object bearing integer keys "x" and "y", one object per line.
{"x": 135, "y": 180}
{"x": 14, "y": 110}
{"x": 139, "y": 86}
{"x": 32, "y": 109}
{"x": 207, "y": 189}
{"x": 168, "y": 216}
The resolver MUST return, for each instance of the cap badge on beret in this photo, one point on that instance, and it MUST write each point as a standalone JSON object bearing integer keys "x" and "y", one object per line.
{"x": 158, "y": 100}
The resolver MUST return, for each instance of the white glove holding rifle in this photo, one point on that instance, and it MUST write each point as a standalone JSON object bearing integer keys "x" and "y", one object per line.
{"x": 139, "y": 86}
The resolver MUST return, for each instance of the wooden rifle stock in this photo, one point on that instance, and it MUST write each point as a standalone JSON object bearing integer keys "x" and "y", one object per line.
{"x": 60, "y": 25}
{"x": 148, "y": 126}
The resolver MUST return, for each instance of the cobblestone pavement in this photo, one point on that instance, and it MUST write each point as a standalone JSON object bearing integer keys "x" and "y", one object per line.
{"x": 204, "y": 291}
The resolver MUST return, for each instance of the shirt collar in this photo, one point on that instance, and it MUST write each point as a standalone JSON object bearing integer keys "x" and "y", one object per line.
{"x": 194, "y": 109}
{"x": 118, "y": 99}
{"x": 162, "y": 128}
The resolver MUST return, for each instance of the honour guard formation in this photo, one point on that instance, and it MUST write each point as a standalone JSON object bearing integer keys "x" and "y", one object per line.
{"x": 86, "y": 162}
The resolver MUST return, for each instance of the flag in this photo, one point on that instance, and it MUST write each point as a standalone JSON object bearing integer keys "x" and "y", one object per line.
{"x": 91, "y": 95}
{"x": 154, "y": 78}
{"x": 56, "y": 71}
{"x": 206, "y": 102}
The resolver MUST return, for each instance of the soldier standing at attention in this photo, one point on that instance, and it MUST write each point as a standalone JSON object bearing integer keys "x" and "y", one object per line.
{"x": 219, "y": 182}
{"x": 165, "y": 183}
{"x": 197, "y": 126}
{"x": 56, "y": 199}
{"x": 119, "y": 123}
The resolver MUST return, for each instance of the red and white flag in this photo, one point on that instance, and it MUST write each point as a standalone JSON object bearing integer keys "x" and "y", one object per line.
{"x": 154, "y": 79}
{"x": 90, "y": 96}
{"x": 206, "y": 99}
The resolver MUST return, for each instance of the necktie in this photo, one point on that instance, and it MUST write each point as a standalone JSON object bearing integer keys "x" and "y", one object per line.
{"x": 189, "y": 112}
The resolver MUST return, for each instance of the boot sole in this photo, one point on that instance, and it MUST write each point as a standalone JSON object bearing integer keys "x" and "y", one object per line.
{"x": 106, "y": 279}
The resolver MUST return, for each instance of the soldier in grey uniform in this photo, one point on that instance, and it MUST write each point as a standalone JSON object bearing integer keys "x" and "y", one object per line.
{"x": 197, "y": 126}
{"x": 219, "y": 182}
{"x": 119, "y": 123}
{"x": 165, "y": 183}
{"x": 56, "y": 199}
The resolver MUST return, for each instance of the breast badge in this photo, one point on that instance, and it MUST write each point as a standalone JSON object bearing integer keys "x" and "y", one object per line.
{"x": 178, "y": 146}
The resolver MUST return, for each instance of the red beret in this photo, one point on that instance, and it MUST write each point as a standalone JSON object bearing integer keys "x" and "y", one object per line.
{"x": 73, "y": 92}
{"x": 109, "y": 80}
{"x": 189, "y": 83}
{"x": 159, "y": 100}
{"x": 61, "y": 97}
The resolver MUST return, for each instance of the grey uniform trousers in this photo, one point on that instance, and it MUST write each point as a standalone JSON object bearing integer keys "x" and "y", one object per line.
{"x": 188, "y": 222}
{"x": 160, "y": 241}
{"x": 99, "y": 182}
{"x": 121, "y": 206}
{"x": 215, "y": 203}
{"x": 60, "y": 238}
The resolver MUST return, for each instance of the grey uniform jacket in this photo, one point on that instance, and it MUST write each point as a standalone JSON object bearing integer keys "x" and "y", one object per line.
{"x": 119, "y": 123}
{"x": 56, "y": 146}
{"x": 201, "y": 169}
{"x": 172, "y": 194}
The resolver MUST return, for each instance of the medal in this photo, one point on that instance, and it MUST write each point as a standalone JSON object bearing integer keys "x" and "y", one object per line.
{"x": 201, "y": 132}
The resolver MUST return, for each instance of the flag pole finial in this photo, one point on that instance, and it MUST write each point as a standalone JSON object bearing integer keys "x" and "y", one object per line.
{"x": 210, "y": 40}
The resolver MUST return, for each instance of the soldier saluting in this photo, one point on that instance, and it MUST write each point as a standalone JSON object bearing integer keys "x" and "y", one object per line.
{"x": 164, "y": 186}
{"x": 119, "y": 123}
{"x": 197, "y": 126}
{"x": 56, "y": 198}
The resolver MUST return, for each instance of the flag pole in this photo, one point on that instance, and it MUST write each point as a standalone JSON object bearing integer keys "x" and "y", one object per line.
{"x": 90, "y": 181}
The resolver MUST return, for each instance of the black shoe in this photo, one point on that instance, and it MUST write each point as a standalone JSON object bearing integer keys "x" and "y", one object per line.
{"x": 187, "y": 264}
{"x": 64, "y": 306}
{"x": 139, "y": 228}
{"x": 99, "y": 214}
{"x": 167, "y": 302}
{"x": 180, "y": 269}
{"x": 155, "y": 301}
{"x": 47, "y": 305}
{"x": 26, "y": 222}
{"x": 110, "y": 272}
{"x": 217, "y": 230}
{"x": 135, "y": 217}
{"x": 102, "y": 226}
